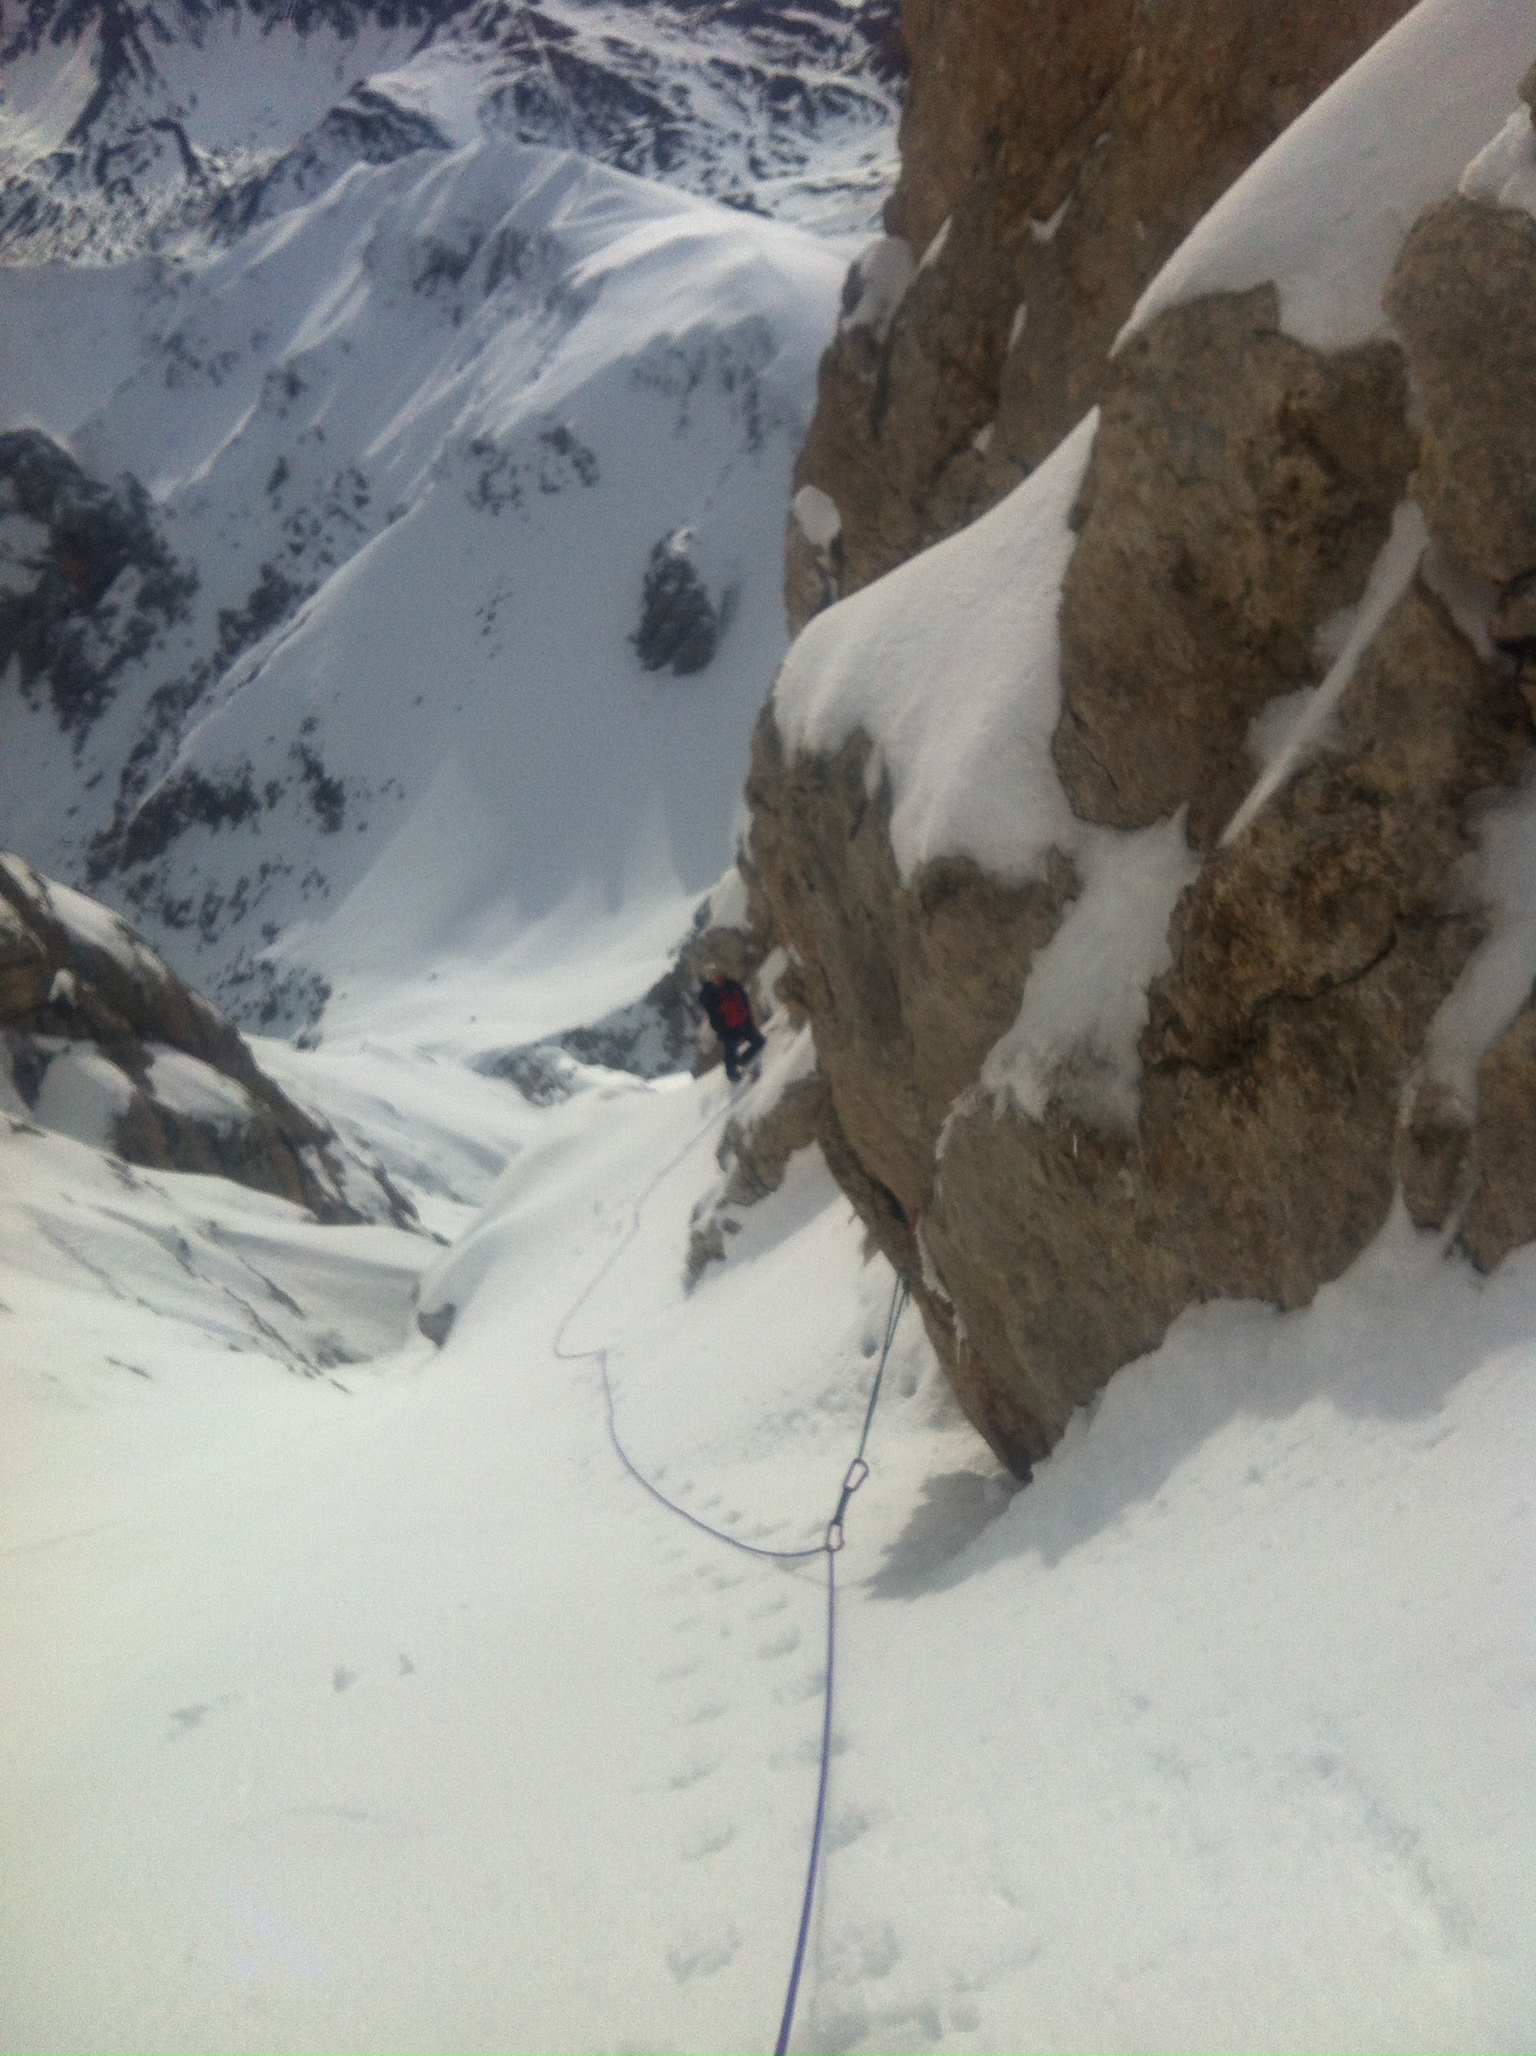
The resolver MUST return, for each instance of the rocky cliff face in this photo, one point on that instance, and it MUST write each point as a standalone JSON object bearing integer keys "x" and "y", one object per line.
{"x": 98, "y": 1040}
{"x": 1052, "y": 158}
{"x": 1293, "y": 629}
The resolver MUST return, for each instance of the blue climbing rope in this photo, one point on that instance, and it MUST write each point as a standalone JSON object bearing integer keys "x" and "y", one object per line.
{"x": 829, "y": 1546}
{"x": 854, "y": 1477}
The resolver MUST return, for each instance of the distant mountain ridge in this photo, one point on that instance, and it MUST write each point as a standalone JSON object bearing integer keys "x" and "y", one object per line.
{"x": 347, "y": 410}
{"x": 126, "y": 127}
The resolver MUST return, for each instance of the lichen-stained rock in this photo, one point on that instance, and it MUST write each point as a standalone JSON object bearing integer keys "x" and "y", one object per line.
{"x": 1348, "y": 865}
{"x": 1502, "y": 1210}
{"x": 1463, "y": 293}
{"x": 99, "y": 1039}
{"x": 1309, "y": 959}
{"x": 1052, "y": 157}
{"x": 1241, "y": 486}
{"x": 908, "y": 985}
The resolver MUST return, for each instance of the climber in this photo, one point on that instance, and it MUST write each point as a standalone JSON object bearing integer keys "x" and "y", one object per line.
{"x": 730, "y": 1015}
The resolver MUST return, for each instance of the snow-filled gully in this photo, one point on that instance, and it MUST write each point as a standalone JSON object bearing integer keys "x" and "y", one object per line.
{"x": 829, "y": 1547}
{"x": 400, "y": 1717}
{"x": 354, "y": 1697}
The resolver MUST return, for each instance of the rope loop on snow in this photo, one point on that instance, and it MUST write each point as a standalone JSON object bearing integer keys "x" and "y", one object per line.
{"x": 829, "y": 1546}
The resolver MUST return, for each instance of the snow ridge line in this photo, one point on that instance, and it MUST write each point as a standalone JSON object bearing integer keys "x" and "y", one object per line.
{"x": 830, "y": 1544}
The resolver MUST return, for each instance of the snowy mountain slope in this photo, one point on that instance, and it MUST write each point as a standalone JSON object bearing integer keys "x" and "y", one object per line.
{"x": 412, "y": 447}
{"x": 432, "y": 1730}
{"x": 125, "y": 127}
{"x": 395, "y": 1714}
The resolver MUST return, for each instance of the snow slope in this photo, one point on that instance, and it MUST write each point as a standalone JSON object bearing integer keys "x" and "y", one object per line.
{"x": 416, "y": 441}
{"x": 397, "y": 1716}
{"x": 355, "y": 1697}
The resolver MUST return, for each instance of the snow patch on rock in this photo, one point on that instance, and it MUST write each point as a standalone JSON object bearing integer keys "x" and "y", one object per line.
{"x": 1085, "y": 999}
{"x": 951, "y": 666}
{"x": 1504, "y": 173}
{"x": 1324, "y": 211}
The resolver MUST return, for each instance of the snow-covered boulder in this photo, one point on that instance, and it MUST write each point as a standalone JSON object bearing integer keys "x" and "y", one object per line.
{"x": 100, "y": 1042}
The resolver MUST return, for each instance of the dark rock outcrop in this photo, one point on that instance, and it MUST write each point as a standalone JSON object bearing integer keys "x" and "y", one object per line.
{"x": 754, "y": 1154}
{"x": 1052, "y": 158}
{"x": 649, "y": 1037}
{"x": 153, "y": 1071}
{"x": 86, "y": 579}
{"x": 680, "y": 626}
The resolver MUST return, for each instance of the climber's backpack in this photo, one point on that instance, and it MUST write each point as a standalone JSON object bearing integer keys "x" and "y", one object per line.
{"x": 734, "y": 1011}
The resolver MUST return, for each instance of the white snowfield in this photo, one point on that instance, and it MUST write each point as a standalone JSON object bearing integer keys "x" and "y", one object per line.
{"x": 353, "y": 1696}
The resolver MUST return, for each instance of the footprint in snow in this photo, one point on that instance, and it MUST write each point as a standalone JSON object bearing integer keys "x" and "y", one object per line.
{"x": 341, "y": 1679}
{"x": 693, "y": 1772}
{"x": 189, "y": 1717}
{"x": 708, "y": 1841}
{"x": 845, "y": 1826}
{"x": 703, "y": 1955}
{"x": 784, "y": 1644}
{"x": 807, "y": 1686}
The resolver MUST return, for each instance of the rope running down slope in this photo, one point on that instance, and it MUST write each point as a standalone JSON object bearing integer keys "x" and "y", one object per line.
{"x": 831, "y": 1543}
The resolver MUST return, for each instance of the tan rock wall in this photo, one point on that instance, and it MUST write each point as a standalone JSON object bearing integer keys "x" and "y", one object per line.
{"x": 1241, "y": 486}
{"x": 1132, "y": 120}
{"x": 1240, "y": 489}
{"x": 1463, "y": 293}
{"x": 1310, "y": 957}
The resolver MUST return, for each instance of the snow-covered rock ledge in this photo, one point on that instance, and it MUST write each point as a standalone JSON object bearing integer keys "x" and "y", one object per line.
{"x": 1154, "y": 851}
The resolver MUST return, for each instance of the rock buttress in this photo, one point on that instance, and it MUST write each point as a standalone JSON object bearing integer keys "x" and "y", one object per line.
{"x": 1069, "y": 149}
{"x": 1239, "y": 489}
